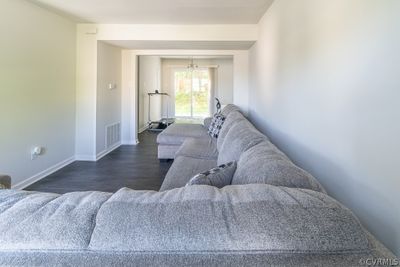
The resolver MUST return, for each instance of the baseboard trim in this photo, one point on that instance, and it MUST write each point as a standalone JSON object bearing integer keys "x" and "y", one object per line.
{"x": 144, "y": 128}
{"x": 33, "y": 179}
{"x": 106, "y": 151}
{"x": 85, "y": 158}
{"x": 130, "y": 142}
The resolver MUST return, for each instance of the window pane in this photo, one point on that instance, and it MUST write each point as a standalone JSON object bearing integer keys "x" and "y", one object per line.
{"x": 182, "y": 94}
{"x": 192, "y": 93}
{"x": 201, "y": 93}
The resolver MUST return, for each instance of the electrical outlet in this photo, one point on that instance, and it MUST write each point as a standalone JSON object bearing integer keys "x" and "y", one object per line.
{"x": 36, "y": 152}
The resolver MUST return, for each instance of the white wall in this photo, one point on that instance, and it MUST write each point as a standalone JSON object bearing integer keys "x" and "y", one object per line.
{"x": 129, "y": 109}
{"x": 223, "y": 78}
{"x": 149, "y": 81}
{"x": 324, "y": 85}
{"x": 86, "y": 91}
{"x": 86, "y": 57}
{"x": 37, "y": 90}
{"x": 108, "y": 108}
{"x": 224, "y": 90}
{"x": 162, "y": 32}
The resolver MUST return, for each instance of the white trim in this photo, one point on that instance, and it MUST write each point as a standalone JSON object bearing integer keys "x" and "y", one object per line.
{"x": 85, "y": 158}
{"x": 43, "y": 174}
{"x": 130, "y": 142}
{"x": 144, "y": 128}
{"x": 106, "y": 151}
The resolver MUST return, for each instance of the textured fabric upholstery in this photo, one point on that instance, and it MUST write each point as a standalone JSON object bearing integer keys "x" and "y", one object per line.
{"x": 5, "y": 181}
{"x": 207, "y": 122}
{"x": 183, "y": 169}
{"x": 231, "y": 119}
{"x": 202, "y": 148}
{"x": 234, "y": 218}
{"x": 31, "y": 220}
{"x": 247, "y": 225}
{"x": 229, "y": 108}
{"x": 167, "y": 151}
{"x": 176, "y": 133}
{"x": 240, "y": 137}
{"x": 265, "y": 164}
{"x": 90, "y": 258}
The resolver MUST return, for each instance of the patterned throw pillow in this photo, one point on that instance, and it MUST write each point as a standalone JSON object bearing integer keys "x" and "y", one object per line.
{"x": 218, "y": 177}
{"x": 216, "y": 125}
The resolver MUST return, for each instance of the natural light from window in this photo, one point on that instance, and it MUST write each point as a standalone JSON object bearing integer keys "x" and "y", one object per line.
{"x": 192, "y": 93}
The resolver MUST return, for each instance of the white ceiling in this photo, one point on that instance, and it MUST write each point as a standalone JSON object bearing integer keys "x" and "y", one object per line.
{"x": 196, "y": 45}
{"x": 160, "y": 11}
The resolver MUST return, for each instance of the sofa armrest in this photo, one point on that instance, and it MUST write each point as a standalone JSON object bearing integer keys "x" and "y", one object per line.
{"x": 207, "y": 122}
{"x": 5, "y": 181}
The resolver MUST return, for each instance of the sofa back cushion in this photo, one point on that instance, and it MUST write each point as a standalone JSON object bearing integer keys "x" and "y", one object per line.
{"x": 258, "y": 218}
{"x": 230, "y": 120}
{"x": 229, "y": 108}
{"x": 265, "y": 164}
{"x": 240, "y": 137}
{"x": 40, "y": 221}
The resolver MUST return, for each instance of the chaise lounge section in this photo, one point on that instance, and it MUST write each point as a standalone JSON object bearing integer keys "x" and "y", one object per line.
{"x": 171, "y": 139}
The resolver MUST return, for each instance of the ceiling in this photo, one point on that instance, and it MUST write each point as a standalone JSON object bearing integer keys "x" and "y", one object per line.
{"x": 196, "y": 45}
{"x": 160, "y": 11}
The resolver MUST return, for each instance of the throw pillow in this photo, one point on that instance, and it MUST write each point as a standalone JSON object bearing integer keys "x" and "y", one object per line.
{"x": 218, "y": 177}
{"x": 216, "y": 125}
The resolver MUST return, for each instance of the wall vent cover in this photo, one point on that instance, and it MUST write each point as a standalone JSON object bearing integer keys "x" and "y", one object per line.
{"x": 113, "y": 134}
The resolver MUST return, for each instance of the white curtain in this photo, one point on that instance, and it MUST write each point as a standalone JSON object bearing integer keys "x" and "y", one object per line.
{"x": 213, "y": 90}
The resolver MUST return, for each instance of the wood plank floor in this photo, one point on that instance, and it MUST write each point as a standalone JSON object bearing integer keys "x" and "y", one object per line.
{"x": 136, "y": 167}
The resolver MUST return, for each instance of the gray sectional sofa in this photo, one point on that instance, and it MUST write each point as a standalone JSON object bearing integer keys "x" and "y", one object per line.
{"x": 258, "y": 160}
{"x": 274, "y": 213}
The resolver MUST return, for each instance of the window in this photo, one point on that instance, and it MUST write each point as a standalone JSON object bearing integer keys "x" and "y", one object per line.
{"x": 192, "y": 93}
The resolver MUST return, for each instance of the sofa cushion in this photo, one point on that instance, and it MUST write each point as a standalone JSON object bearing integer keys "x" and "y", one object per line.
{"x": 240, "y": 137}
{"x": 202, "y": 148}
{"x": 219, "y": 177}
{"x": 203, "y": 219}
{"x": 229, "y": 108}
{"x": 183, "y": 169}
{"x": 176, "y": 133}
{"x": 265, "y": 164}
{"x": 167, "y": 151}
{"x": 207, "y": 122}
{"x": 30, "y": 220}
{"x": 231, "y": 119}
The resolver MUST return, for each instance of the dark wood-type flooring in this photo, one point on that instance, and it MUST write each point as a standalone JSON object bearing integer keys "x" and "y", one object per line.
{"x": 136, "y": 167}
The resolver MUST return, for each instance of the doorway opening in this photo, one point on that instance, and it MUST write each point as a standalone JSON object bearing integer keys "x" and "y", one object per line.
{"x": 190, "y": 85}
